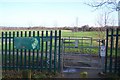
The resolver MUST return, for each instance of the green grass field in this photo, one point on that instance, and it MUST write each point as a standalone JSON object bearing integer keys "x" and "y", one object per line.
{"x": 93, "y": 34}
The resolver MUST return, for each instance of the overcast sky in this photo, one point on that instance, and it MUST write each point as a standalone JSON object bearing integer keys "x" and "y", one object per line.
{"x": 49, "y": 13}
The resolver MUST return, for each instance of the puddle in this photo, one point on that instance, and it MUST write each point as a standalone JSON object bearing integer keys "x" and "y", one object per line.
{"x": 71, "y": 70}
{"x": 77, "y": 64}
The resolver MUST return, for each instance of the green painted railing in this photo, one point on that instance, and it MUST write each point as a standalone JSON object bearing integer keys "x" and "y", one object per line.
{"x": 46, "y": 58}
{"x": 112, "y": 61}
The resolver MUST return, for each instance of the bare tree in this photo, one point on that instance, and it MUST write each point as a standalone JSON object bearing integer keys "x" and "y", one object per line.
{"x": 102, "y": 22}
{"x": 102, "y": 19}
{"x": 109, "y": 4}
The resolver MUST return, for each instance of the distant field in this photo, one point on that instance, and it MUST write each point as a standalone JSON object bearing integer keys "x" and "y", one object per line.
{"x": 69, "y": 33}
{"x": 93, "y": 34}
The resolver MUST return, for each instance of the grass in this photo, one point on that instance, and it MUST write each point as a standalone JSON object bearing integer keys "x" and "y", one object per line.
{"x": 93, "y": 34}
{"x": 11, "y": 74}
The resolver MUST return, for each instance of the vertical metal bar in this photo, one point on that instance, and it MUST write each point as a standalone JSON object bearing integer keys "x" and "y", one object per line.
{"x": 13, "y": 52}
{"x": 2, "y": 50}
{"x": 41, "y": 60}
{"x": 106, "y": 56}
{"x": 111, "y": 50}
{"x": 116, "y": 51}
{"x": 21, "y": 56}
{"x": 37, "y": 53}
{"x": 46, "y": 51}
{"x": 6, "y": 51}
{"x": 82, "y": 46}
{"x": 99, "y": 48}
{"x": 55, "y": 54}
{"x": 17, "y": 54}
{"x": 91, "y": 41}
{"x": 29, "y": 54}
{"x": 69, "y": 42}
{"x": 63, "y": 44}
{"x": 62, "y": 54}
{"x": 50, "y": 54}
{"x": 25, "y": 53}
{"x": 33, "y": 52}
{"x": 9, "y": 50}
{"x": 59, "y": 60}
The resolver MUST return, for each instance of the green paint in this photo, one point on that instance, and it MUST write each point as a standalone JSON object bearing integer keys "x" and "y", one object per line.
{"x": 46, "y": 51}
{"x": 29, "y": 59}
{"x": 106, "y": 56}
{"x": 59, "y": 57}
{"x": 17, "y": 53}
{"x": 42, "y": 51}
{"x": 111, "y": 51}
{"x": 9, "y": 49}
{"x": 33, "y": 51}
{"x": 27, "y": 43}
{"x": 2, "y": 48}
{"x": 37, "y": 53}
{"x": 50, "y": 52}
{"x": 55, "y": 51}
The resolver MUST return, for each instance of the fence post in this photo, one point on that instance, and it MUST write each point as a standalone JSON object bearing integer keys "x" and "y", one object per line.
{"x": 17, "y": 54}
{"x": 6, "y": 51}
{"x": 2, "y": 51}
{"x": 13, "y": 52}
{"x": 59, "y": 51}
{"x": 21, "y": 56}
{"x": 33, "y": 51}
{"x": 116, "y": 51}
{"x": 29, "y": 59}
{"x": 55, "y": 47}
{"x": 46, "y": 51}
{"x": 111, "y": 50}
{"x": 9, "y": 50}
{"x": 106, "y": 56}
{"x": 25, "y": 53}
{"x": 62, "y": 56}
{"x": 50, "y": 56}
{"x": 37, "y": 60}
{"x": 42, "y": 44}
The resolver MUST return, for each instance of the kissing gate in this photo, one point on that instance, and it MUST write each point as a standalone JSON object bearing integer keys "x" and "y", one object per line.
{"x": 38, "y": 50}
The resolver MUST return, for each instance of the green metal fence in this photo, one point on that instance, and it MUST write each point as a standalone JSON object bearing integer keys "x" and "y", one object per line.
{"x": 35, "y": 50}
{"x": 112, "y": 59}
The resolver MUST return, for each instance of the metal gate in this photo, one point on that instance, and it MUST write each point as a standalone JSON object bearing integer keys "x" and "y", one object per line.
{"x": 83, "y": 57}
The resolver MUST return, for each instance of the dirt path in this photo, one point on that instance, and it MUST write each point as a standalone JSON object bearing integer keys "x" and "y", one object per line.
{"x": 81, "y": 63}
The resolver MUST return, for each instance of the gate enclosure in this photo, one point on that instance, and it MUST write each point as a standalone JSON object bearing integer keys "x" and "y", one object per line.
{"x": 35, "y": 50}
{"x": 112, "y": 62}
